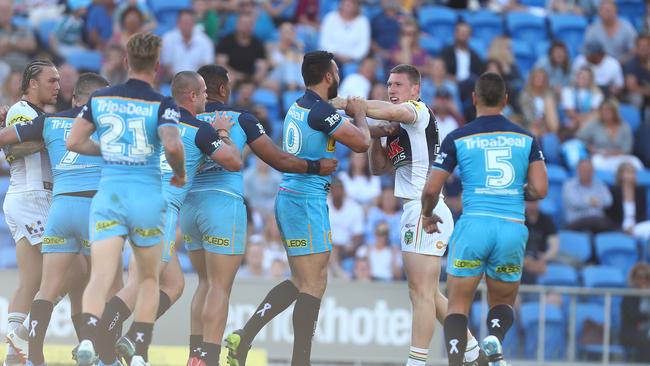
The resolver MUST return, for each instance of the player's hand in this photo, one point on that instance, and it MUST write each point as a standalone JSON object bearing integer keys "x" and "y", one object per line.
{"x": 391, "y": 128}
{"x": 3, "y": 115}
{"x": 355, "y": 105}
{"x": 327, "y": 166}
{"x": 339, "y": 103}
{"x": 178, "y": 181}
{"x": 222, "y": 122}
{"x": 430, "y": 224}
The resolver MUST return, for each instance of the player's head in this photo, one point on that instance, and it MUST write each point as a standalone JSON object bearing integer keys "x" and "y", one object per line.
{"x": 86, "y": 85}
{"x": 41, "y": 82}
{"x": 490, "y": 91}
{"x": 403, "y": 84}
{"x": 216, "y": 81}
{"x": 143, "y": 53}
{"x": 319, "y": 68}
{"x": 189, "y": 90}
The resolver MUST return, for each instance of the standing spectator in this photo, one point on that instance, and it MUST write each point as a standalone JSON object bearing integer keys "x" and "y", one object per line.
{"x": 385, "y": 29}
{"x": 637, "y": 74}
{"x": 11, "y": 92}
{"x": 285, "y": 58}
{"x": 207, "y": 18}
{"x": 384, "y": 260}
{"x": 113, "y": 68}
{"x": 607, "y": 71}
{"x": 629, "y": 201}
{"x": 69, "y": 76}
{"x": 609, "y": 139}
{"x": 67, "y": 36}
{"x": 359, "y": 83}
{"x": 360, "y": 185}
{"x": 448, "y": 117}
{"x": 616, "y": 34}
{"x": 501, "y": 51}
{"x": 131, "y": 22}
{"x": 461, "y": 61}
{"x": 542, "y": 245}
{"x": 408, "y": 50}
{"x": 99, "y": 23}
{"x": 557, "y": 65}
{"x": 16, "y": 43}
{"x": 635, "y": 315}
{"x": 538, "y": 106}
{"x": 261, "y": 184}
{"x": 242, "y": 53}
{"x": 346, "y": 33}
{"x": 585, "y": 199}
{"x": 435, "y": 77}
{"x": 388, "y": 209}
{"x": 184, "y": 47}
{"x": 581, "y": 101}
{"x": 347, "y": 220}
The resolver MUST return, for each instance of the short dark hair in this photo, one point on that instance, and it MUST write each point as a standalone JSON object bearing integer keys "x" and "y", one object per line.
{"x": 32, "y": 71}
{"x": 184, "y": 81}
{"x": 188, "y": 11}
{"x": 411, "y": 72}
{"x": 131, "y": 9}
{"x": 315, "y": 65}
{"x": 490, "y": 89}
{"x": 87, "y": 83}
{"x": 215, "y": 76}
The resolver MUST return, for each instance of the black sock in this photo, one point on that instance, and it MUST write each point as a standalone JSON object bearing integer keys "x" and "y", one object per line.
{"x": 140, "y": 334}
{"x": 76, "y": 323}
{"x": 456, "y": 338}
{"x": 39, "y": 319}
{"x": 499, "y": 320}
{"x": 275, "y": 302}
{"x": 164, "y": 303}
{"x": 89, "y": 324}
{"x": 211, "y": 353}
{"x": 196, "y": 344}
{"x": 115, "y": 314}
{"x": 305, "y": 315}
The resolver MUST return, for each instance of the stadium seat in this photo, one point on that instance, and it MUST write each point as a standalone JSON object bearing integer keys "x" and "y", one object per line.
{"x": 570, "y": 29}
{"x": 552, "y": 204}
{"x": 526, "y": 27}
{"x": 485, "y": 25}
{"x": 617, "y": 250}
{"x": 559, "y": 275}
{"x": 166, "y": 12}
{"x": 575, "y": 244}
{"x": 606, "y": 177}
{"x": 603, "y": 276}
{"x": 85, "y": 60}
{"x": 166, "y": 89}
{"x": 554, "y": 339}
{"x": 45, "y": 27}
{"x": 533, "y": 3}
{"x": 438, "y": 21}
{"x": 480, "y": 46}
{"x": 290, "y": 96}
{"x": 632, "y": 10}
{"x": 596, "y": 314}
{"x": 348, "y": 69}
{"x": 8, "y": 257}
{"x": 327, "y": 6}
{"x": 524, "y": 55}
{"x": 20, "y": 21}
{"x": 551, "y": 146}
{"x": 540, "y": 49}
{"x": 431, "y": 45}
{"x": 631, "y": 115}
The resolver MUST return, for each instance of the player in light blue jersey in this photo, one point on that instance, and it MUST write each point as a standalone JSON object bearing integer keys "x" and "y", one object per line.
{"x": 133, "y": 123}
{"x": 501, "y": 165}
{"x": 75, "y": 181}
{"x": 311, "y": 129}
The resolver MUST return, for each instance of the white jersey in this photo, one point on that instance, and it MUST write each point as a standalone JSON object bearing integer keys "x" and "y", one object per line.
{"x": 32, "y": 172}
{"x": 413, "y": 151}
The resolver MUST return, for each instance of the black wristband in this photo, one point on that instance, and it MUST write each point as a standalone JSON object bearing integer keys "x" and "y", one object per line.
{"x": 313, "y": 166}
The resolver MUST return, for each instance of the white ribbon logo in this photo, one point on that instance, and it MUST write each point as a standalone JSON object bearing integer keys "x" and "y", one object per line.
{"x": 495, "y": 323}
{"x": 32, "y": 331}
{"x": 452, "y": 344}
{"x": 266, "y": 307}
{"x": 92, "y": 321}
{"x": 139, "y": 337}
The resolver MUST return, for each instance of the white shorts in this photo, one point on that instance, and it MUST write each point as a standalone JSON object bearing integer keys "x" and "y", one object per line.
{"x": 413, "y": 237}
{"x": 26, "y": 214}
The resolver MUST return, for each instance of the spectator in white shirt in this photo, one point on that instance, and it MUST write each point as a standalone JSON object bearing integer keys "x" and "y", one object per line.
{"x": 581, "y": 101}
{"x": 385, "y": 264}
{"x": 360, "y": 83}
{"x": 360, "y": 185}
{"x": 608, "y": 72}
{"x": 184, "y": 47}
{"x": 346, "y": 32}
{"x": 347, "y": 222}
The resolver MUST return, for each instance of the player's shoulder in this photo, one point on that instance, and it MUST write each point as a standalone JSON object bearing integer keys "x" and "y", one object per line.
{"x": 68, "y": 113}
{"x": 323, "y": 111}
{"x": 417, "y": 104}
{"x": 489, "y": 125}
{"x": 20, "y": 112}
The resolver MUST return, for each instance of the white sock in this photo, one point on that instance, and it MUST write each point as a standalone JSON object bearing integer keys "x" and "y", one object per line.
{"x": 14, "y": 320}
{"x": 417, "y": 356}
{"x": 472, "y": 349}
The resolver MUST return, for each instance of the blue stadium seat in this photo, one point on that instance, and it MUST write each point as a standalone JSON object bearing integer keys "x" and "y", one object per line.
{"x": 595, "y": 313}
{"x": 290, "y": 96}
{"x": 438, "y": 21}
{"x": 632, "y": 10}
{"x": 570, "y": 29}
{"x": 45, "y": 27}
{"x": 158, "y": 6}
{"x": 348, "y": 69}
{"x": 559, "y": 275}
{"x": 631, "y": 115}
{"x": 524, "y": 55}
{"x": 8, "y": 257}
{"x": 603, "y": 276}
{"x": 533, "y": 3}
{"x": 552, "y": 204}
{"x": 327, "y": 6}
{"x": 20, "y": 21}
{"x": 617, "y": 250}
{"x": 551, "y": 146}
{"x": 86, "y": 60}
{"x": 480, "y": 46}
{"x": 554, "y": 344}
{"x": 526, "y": 27}
{"x": 267, "y": 98}
{"x": 166, "y": 89}
{"x": 431, "y": 45}
{"x": 540, "y": 49}
{"x": 485, "y": 24}
{"x": 575, "y": 244}
{"x": 606, "y": 177}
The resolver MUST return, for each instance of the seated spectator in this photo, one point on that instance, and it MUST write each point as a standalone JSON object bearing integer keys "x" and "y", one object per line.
{"x": 184, "y": 47}
{"x": 207, "y": 18}
{"x": 578, "y": 7}
{"x": 263, "y": 27}
{"x": 131, "y": 22}
{"x": 447, "y": 115}
{"x": 99, "y": 23}
{"x": 581, "y": 101}
{"x": 346, "y": 220}
{"x": 148, "y": 17}
{"x": 360, "y": 185}
{"x": 616, "y": 34}
{"x": 388, "y": 209}
{"x": 360, "y": 83}
{"x": 244, "y": 98}
{"x": 585, "y": 199}
{"x": 281, "y": 11}
{"x": 285, "y": 58}
{"x": 434, "y": 77}
{"x": 609, "y": 139}
{"x": 113, "y": 68}
{"x": 385, "y": 29}
{"x": 279, "y": 269}
{"x": 537, "y": 103}
{"x": 542, "y": 245}
{"x": 408, "y": 50}
{"x": 637, "y": 74}
{"x": 362, "y": 270}
{"x": 385, "y": 262}
{"x": 557, "y": 65}
{"x": 69, "y": 76}
{"x": 635, "y": 316}
{"x": 16, "y": 43}
{"x": 346, "y": 32}
{"x": 461, "y": 61}
{"x": 607, "y": 71}
{"x": 307, "y": 15}
{"x": 242, "y": 53}
{"x": 501, "y": 51}
{"x": 11, "y": 92}
{"x": 253, "y": 265}
{"x": 629, "y": 201}
{"x": 67, "y": 36}
{"x": 261, "y": 184}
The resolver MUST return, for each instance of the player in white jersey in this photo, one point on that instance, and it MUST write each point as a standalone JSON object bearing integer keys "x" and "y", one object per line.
{"x": 411, "y": 146}
{"x": 28, "y": 199}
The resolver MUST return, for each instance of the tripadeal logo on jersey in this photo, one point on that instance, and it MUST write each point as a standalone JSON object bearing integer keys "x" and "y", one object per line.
{"x": 485, "y": 142}
{"x": 125, "y": 107}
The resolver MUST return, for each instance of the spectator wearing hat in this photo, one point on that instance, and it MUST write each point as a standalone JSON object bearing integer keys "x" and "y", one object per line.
{"x": 447, "y": 116}
{"x": 607, "y": 71}
{"x": 617, "y": 35}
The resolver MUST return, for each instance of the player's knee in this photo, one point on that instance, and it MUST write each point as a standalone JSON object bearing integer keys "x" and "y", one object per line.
{"x": 420, "y": 290}
{"x": 173, "y": 287}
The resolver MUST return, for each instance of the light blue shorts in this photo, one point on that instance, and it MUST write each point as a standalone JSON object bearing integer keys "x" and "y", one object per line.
{"x": 304, "y": 223}
{"x": 66, "y": 230}
{"x": 214, "y": 221}
{"x": 136, "y": 211}
{"x": 169, "y": 240}
{"x": 483, "y": 244}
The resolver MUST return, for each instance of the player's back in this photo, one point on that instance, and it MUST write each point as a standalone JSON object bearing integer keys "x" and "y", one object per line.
{"x": 493, "y": 155}
{"x": 32, "y": 172}
{"x": 72, "y": 172}
{"x": 127, "y": 117}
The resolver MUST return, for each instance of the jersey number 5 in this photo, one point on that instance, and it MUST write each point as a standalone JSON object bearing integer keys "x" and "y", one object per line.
{"x": 497, "y": 161}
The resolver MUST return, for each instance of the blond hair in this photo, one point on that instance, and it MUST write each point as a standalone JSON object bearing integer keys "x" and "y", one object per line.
{"x": 500, "y": 50}
{"x": 143, "y": 51}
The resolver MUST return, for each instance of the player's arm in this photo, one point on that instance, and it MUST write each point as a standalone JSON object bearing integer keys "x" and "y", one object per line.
{"x": 25, "y": 138}
{"x": 378, "y": 109}
{"x": 377, "y": 158}
{"x": 355, "y": 135}
{"x": 216, "y": 143}
{"x": 79, "y": 140}
{"x": 536, "y": 187}
{"x": 174, "y": 152}
{"x": 19, "y": 149}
